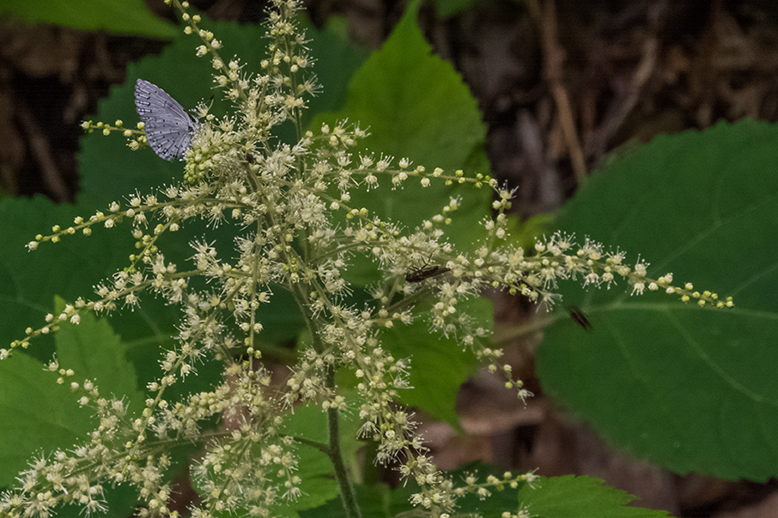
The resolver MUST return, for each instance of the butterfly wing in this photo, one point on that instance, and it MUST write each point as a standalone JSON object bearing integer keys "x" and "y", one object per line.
{"x": 169, "y": 129}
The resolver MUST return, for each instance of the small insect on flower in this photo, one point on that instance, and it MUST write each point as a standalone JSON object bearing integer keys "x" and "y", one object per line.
{"x": 169, "y": 128}
{"x": 579, "y": 318}
{"x": 425, "y": 272}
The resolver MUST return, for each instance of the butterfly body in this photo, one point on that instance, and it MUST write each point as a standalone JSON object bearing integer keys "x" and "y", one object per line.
{"x": 169, "y": 128}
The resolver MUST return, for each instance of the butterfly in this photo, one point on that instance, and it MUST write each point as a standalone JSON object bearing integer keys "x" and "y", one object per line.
{"x": 169, "y": 128}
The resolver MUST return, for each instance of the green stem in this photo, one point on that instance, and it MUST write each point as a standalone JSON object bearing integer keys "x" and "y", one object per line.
{"x": 347, "y": 495}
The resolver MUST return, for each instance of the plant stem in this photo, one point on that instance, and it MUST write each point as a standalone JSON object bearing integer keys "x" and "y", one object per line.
{"x": 347, "y": 495}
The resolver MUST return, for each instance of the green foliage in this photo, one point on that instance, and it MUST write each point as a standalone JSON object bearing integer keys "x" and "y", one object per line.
{"x": 46, "y": 413}
{"x": 416, "y": 105}
{"x": 689, "y": 389}
{"x": 431, "y": 355}
{"x": 109, "y": 171}
{"x": 582, "y": 497}
{"x": 376, "y": 501}
{"x": 130, "y": 17}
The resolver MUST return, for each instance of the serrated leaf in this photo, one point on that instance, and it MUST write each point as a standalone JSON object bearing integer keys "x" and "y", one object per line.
{"x": 95, "y": 352}
{"x": 579, "y": 497}
{"x": 336, "y": 60}
{"x": 38, "y": 413}
{"x": 47, "y": 414}
{"x": 416, "y": 105}
{"x": 130, "y": 17}
{"x": 692, "y": 389}
{"x": 432, "y": 116}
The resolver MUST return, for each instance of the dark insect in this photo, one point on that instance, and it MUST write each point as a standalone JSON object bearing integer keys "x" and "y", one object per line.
{"x": 425, "y": 272}
{"x": 579, "y": 318}
{"x": 249, "y": 158}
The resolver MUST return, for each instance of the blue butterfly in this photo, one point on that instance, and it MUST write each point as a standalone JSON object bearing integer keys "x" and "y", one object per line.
{"x": 169, "y": 128}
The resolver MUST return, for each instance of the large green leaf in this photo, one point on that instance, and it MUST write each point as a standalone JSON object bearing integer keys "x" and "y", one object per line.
{"x": 556, "y": 497}
{"x": 416, "y": 105}
{"x": 692, "y": 389}
{"x": 47, "y": 414}
{"x": 579, "y": 497}
{"x": 130, "y": 17}
{"x": 38, "y": 412}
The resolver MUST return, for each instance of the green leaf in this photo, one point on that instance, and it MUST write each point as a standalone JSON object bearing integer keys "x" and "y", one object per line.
{"x": 28, "y": 280}
{"x": 336, "y": 61}
{"x": 414, "y": 102}
{"x": 438, "y": 365}
{"x": 45, "y": 413}
{"x": 130, "y": 17}
{"x": 689, "y": 388}
{"x": 318, "y": 482}
{"x": 416, "y": 105}
{"x": 376, "y": 501}
{"x": 95, "y": 352}
{"x": 579, "y": 497}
